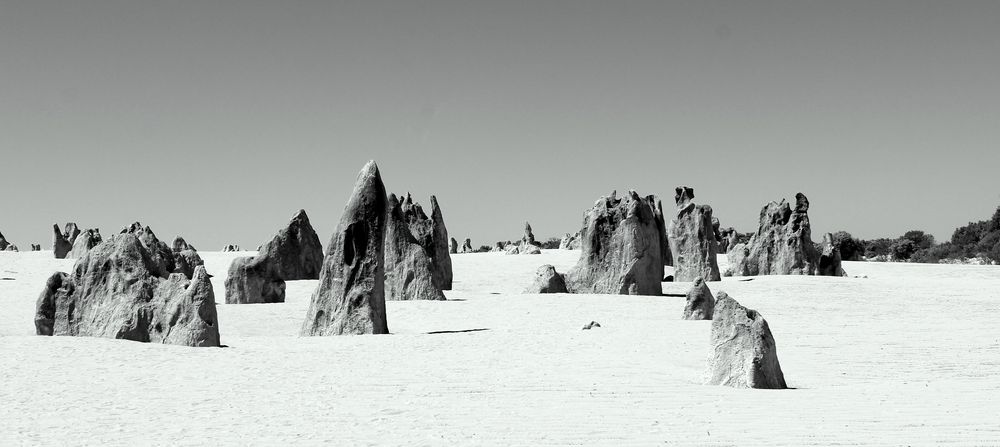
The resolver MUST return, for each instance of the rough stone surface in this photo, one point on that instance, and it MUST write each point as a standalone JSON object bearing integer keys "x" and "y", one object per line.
{"x": 829, "y": 258}
{"x": 661, "y": 229}
{"x": 160, "y": 253}
{"x": 700, "y": 302}
{"x": 782, "y": 244}
{"x": 295, "y": 250}
{"x": 62, "y": 240}
{"x": 570, "y": 242}
{"x": 87, "y": 240}
{"x": 3, "y": 242}
{"x": 727, "y": 240}
{"x": 251, "y": 281}
{"x": 529, "y": 237}
{"x": 350, "y": 298}
{"x": 547, "y": 280}
{"x": 621, "y": 249}
{"x": 453, "y": 246}
{"x": 467, "y": 246}
{"x": 115, "y": 292}
{"x": 432, "y": 235}
{"x": 743, "y": 351}
{"x": 692, "y": 239}
{"x": 409, "y": 270}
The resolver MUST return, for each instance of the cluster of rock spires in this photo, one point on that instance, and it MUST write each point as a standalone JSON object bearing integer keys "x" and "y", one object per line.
{"x": 350, "y": 297}
{"x": 727, "y": 239}
{"x": 693, "y": 240}
{"x": 84, "y": 241}
{"x": 417, "y": 254}
{"x": 526, "y": 246}
{"x": 123, "y": 288}
{"x": 231, "y": 248}
{"x": 783, "y": 245}
{"x": 622, "y": 249}
{"x": 295, "y": 253}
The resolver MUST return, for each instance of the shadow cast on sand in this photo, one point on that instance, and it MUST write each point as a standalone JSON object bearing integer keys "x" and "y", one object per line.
{"x": 457, "y": 332}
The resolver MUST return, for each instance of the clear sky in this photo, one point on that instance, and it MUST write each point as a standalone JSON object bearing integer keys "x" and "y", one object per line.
{"x": 217, "y": 120}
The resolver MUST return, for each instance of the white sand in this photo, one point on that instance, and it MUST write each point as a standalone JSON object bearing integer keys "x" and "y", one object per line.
{"x": 908, "y": 356}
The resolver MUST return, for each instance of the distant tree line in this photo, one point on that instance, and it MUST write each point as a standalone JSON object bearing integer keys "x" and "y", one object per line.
{"x": 975, "y": 240}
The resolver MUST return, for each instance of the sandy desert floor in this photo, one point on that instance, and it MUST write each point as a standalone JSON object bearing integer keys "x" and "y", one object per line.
{"x": 909, "y": 355}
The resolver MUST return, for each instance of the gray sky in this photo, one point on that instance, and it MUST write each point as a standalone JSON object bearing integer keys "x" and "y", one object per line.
{"x": 217, "y": 120}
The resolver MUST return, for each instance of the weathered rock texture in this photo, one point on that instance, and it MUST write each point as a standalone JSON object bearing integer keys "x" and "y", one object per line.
{"x": 159, "y": 252}
{"x": 743, "y": 351}
{"x": 186, "y": 258}
{"x": 453, "y": 246}
{"x": 547, "y": 280}
{"x": 621, "y": 249}
{"x": 700, "y": 302}
{"x": 3, "y": 242}
{"x": 661, "y": 230}
{"x": 295, "y": 251}
{"x": 87, "y": 240}
{"x": 253, "y": 281}
{"x": 432, "y": 235}
{"x": 350, "y": 298}
{"x": 782, "y": 244}
{"x": 467, "y": 246}
{"x": 11, "y": 247}
{"x": 829, "y": 258}
{"x": 230, "y": 248}
{"x": 62, "y": 241}
{"x": 727, "y": 240}
{"x": 570, "y": 242}
{"x": 117, "y": 291}
{"x": 692, "y": 239}
{"x": 409, "y": 269}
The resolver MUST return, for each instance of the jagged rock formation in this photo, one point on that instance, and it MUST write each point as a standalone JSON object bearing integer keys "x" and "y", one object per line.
{"x": 829, "y": 258}
{"x": 621, "y": 249}
{"x": 87, "y": 240}
{"x": 117, "y": 291}
{"x": 409, "y": 269}
{"x": 547, "y": 280}
{"x": 453, "y": 247}
{"x": 186, "y": 258}
{"x": 692, "y": 239}
{"x": 62, "y": 241}
{"x": 36, "y": 247}
{"x": 3, "y": 242}
{"x": 230, "y": 248}
{"x": 159, "y": 252}
{"x": 432, "y": 235}
{"x": 743, "y": 351}
{"x": 350, "y": 298}
{"x": 782, "y": 244}
{"x": 11, "y": 247}
{"x": 294, "y": 253}
{"x": 700, "y": 303}
{"x": 467, "y": 246}
{"x": 295, "y": 250}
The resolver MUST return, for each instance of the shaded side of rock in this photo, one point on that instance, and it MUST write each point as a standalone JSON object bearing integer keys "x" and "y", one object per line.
{"x": 62, "y": 240}
{"x": 700, "y": 303}
{"x": 295, "y": 252}
{"x": 408, "y": 268}
{"x": 621, "y": 249}
{"x": 829, "y": 259}
{"x": 253, "y": 282}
